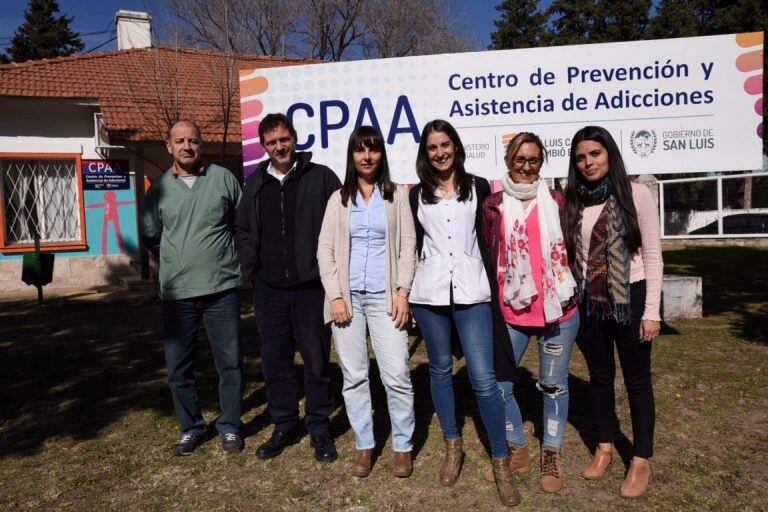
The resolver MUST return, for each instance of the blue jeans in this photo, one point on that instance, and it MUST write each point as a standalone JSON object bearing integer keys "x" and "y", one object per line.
{"x": 390, "y": 345}
{"x": 475, "y": 331}
{"x": 555, "y": 344}
{"x": 181, "y": 319}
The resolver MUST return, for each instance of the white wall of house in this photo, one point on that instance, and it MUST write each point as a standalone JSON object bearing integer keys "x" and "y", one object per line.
{"x": 34, "y": 125}
{"x": 40, "y": 126}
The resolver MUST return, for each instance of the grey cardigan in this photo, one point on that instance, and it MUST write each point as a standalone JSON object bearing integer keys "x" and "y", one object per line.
{"x": 333, "y": 249}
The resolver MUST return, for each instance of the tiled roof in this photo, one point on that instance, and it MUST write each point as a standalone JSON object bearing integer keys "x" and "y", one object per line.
{"x": 139, "y": 89}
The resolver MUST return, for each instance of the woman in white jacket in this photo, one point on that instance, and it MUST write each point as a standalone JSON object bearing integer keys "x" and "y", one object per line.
{"x": 366, "y": 255}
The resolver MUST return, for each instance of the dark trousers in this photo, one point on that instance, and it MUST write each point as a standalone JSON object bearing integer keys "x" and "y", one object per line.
{"x": 596, "y": 340}
{"x": 288, "y": 319}
{"x": 181, "y": 319}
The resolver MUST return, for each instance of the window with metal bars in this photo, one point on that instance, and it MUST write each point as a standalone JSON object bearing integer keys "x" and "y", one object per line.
{"x": 41, "y": 195}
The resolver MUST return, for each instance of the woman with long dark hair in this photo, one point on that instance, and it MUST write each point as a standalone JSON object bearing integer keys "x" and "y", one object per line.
{"x": 612, "y": 230}
{"x": 451, "y": 290}
{"x": 537, "y": 297}
{"x": 366, "y": 254}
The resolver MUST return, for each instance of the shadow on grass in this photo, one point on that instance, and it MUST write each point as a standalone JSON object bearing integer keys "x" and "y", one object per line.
{"x": 466, "y": 407}
{"x": 735, "y": 281}
{"x": 527, "y": 395}
{"x": 71, "y": 368}
{"x": 529, "y": 398}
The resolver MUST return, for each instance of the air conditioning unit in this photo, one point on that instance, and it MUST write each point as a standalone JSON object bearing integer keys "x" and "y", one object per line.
{"x": 101, "y": 137}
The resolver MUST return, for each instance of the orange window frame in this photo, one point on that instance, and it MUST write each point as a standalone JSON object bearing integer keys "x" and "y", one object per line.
{"x": 82, "y": 243}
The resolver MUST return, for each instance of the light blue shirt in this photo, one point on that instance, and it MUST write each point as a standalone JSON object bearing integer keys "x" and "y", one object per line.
{"x": 367, "y": 232}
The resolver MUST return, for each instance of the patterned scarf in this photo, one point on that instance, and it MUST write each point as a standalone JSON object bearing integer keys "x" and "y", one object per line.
{"x": 605, "y": 288}
{"x": 558, "y": 285}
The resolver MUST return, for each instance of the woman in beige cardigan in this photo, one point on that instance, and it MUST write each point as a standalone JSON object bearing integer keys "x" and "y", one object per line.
{"x": 366, "y": 254}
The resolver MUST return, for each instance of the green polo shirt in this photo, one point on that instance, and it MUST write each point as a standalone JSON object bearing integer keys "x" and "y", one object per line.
{"x": 197, "y": 244}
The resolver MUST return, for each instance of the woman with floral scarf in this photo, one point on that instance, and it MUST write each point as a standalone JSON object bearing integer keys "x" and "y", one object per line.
{"x": 536, "y": 297}
{"x": 612, "y": 230}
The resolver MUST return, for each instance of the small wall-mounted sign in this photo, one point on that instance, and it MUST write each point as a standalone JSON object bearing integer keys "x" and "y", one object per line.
{"x": 106, "y": 175}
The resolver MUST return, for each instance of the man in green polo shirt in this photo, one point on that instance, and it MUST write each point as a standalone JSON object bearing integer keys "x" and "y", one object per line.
{"x": 187, "y": 223}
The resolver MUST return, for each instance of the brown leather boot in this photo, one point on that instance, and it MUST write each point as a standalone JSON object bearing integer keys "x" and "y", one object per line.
{"x": 519, "y": 458}
{"x": 403, "y": 465}
{"x": 362, "y": 465}
{"x": 597, "y": 466}
{"x": 505, "y": 482}
{"x": 636, "y": 481}
{"x": 519, "y": 461}
{"x": 454, "y": 456}
{"x": 551, "y": 470}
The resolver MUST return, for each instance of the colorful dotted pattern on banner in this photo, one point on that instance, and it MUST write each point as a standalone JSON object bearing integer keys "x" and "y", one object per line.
{"x": 250, "y": 108}
{"x": 752, "y": 62}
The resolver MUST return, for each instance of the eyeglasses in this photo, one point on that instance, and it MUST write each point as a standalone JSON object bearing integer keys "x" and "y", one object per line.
{"x": 520, "y": 162}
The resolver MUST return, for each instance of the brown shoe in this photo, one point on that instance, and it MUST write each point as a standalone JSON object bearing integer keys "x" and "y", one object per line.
{"x": 597, "y": 466}
{"x": 505, "y": 482}
{"x": 519, "y": 458}
{"x": 454, "y": 456}
{"x": 362, "y": 465}
{"x": 636, "y": 482}
{"x": 551, "y": 470}
{"x": 403, "y": 466}
{"x": 519, "y": 461}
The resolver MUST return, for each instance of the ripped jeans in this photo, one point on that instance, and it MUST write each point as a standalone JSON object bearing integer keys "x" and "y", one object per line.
{"x": 555, "y": 344}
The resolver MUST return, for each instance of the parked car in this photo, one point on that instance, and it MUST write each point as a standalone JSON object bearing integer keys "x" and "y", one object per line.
{"x": 737, "y": 224}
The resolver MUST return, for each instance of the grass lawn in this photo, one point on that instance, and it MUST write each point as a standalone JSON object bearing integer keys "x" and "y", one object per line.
{"x": 86, "y": 420}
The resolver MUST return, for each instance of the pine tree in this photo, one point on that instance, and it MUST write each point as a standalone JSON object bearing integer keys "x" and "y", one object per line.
{"x": 725, "y": 17}
{"x": 42, "y": 35}
{"x": 598, "y": 21}
{"x": 623, "y": 21}
{"x": 522, "y": 25}
{"x": 675, "y": 18}
{"x": 573, "y": 21}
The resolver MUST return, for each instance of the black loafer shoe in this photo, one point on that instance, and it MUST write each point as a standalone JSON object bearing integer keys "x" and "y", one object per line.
{"x": 276, "y": 443}
{"x": 187, "y": 444}
{"x": 232, "y": 442}
{"x": 325, "y": 450}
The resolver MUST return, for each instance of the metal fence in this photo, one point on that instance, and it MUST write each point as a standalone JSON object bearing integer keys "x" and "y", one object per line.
{"x": 40, "y": 196}
{"x": 732, "y": 206}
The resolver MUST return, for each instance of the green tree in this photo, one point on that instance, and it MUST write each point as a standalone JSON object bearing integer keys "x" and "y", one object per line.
{"x": 573, "y": 21}
{"x": 675, "y": 18}
{"x": 725, "y": 17}
{"x": 43, "y": 35}
{"x": 623, "y": 21}
{"x": 522, "y": 25}
{"x": 598, "y": 21}
{"x": 685, "y": 18}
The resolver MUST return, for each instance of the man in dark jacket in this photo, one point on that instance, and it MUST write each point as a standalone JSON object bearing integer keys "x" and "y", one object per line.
{"x": 276, "y": 230}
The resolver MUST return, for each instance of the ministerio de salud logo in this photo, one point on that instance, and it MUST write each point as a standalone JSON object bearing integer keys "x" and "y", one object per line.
{"x": 643, "y": 142}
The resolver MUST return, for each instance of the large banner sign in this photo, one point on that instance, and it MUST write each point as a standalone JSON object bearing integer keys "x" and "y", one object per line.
{"x": 673, "y": 105}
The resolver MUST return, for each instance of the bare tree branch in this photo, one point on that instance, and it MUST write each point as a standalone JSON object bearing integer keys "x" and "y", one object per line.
{"x": 320, "y": 29}
{"x": 261, "y": 27}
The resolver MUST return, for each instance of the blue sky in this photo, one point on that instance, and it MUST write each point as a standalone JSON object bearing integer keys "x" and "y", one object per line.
{"x": 90, "y": 16}
{"x": 94, "y": 16}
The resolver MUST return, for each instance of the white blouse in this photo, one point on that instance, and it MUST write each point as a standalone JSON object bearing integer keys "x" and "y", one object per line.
{"x": 450, "y": 259}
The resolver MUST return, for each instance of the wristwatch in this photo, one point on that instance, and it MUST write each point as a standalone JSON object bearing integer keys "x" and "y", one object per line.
{"x": 403, "y": 292}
